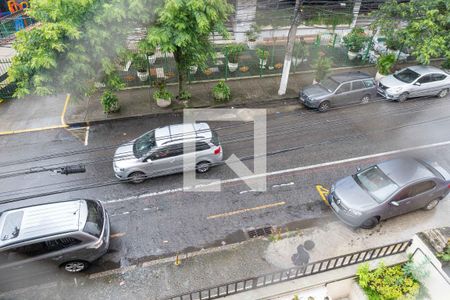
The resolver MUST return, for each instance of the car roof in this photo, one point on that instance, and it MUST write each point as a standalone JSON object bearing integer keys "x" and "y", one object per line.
{"x": 405, "y": 170}
{"x": 349, "y": 76}
{"x": 425, "y": 69}
{"x": 39, "y": 221}
{"x": 177, "y": 133}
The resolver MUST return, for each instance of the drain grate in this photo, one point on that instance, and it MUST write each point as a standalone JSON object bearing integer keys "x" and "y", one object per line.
{"x": 264, "y": 231}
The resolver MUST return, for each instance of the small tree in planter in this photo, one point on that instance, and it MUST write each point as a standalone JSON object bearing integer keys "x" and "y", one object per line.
{"x": 301, "y": 51}
{"x": 140, "y": 63}
{"x": 110, "y": 102}
{"x": 233, "y": 52}
{"x": 252, "y": 36}
{"x": 222, "y": 92}
{"x": 262, "y": 55}
{"x": 162, "y": 96}
{"x": 385, "y": 63}
{"x": 354, "y": 41}
{"x": 322, "y": 66}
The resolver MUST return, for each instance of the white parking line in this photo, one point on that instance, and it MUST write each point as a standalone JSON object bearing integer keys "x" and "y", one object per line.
{"x": 298, "y": 169}
{"x": 86, "y": 136}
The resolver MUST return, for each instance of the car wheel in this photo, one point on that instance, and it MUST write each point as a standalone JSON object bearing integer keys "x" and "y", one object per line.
{"x": 324, "y": 106}
{"x": 136, "y": 177}
{"x": 203, "y": 167}
{"x": 365, "y": 99}
{"x": 403, "y": 97}
{"x": 370, "y": 223}
{"x": 432, "y": 204}
{"x": 75, "y": 266}
{"x": 443, "y": 93}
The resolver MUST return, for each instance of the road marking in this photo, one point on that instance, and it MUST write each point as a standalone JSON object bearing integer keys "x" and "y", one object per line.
{"x": 32, "y": 129}
{"x": 323, "y": 192}
{"x": 86, "y": 136}
{"x": 63, "y": 113}
{"x": 117, "y": 235}
{"x": 282, "y": 184}
{"x": 231, "y": 213}
{"x": 297, "y": 169}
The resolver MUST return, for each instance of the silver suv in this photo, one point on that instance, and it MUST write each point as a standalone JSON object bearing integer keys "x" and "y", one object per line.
{"x": 71, "y": 234}
{"x": 415, "y": 81}
{"x": 160, "y": 152}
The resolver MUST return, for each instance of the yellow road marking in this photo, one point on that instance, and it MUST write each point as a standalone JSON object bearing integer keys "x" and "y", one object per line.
{"x": 117, "y": 235}
{"x": 323, "y": 192}
{"x": 63, "y": 113}
{"x": 32, "y": 129}
{"x": 245, "y": 210}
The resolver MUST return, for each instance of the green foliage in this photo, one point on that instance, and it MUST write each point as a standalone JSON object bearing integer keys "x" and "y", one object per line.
{"x": 140, "y": 62}
{"x": 301, "y": 49}
{"x": 446, "y": 64}
{"x": 262, "y": 54}
{"x": 427, "y": 26}
{"x": 162, "y": 92}
{"x": 109, "y": 101}
{"x": 354, "y": 41}
{"x": 253, "y": 33}
{"x": 222, "y": 92}
{"x": 234, "y": 51}
{"x": 183, "y": 28}
{"x": 322, "y": 66}
{"x": 393, "y": 42}
{"x": 74, "y": 43}
{"x": 445, "y": 255}
{"x": 387, "y": 283}
{"x": 295, "y": 297}
{"x": 385, "y": 63}
{"x": 185, "y": 95}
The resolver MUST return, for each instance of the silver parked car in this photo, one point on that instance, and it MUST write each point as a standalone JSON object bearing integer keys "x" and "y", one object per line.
{"x": 71, "y": 234}
{"x": 391, "y": 188}
{"x": 160, "y": 152}
{"x": 338, "y": 90}
{"x": 415, "y": 81}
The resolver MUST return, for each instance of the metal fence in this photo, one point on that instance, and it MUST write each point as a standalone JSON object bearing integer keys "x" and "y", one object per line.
{"x": 295, "y": 273}
{"x": 6, "y": 88}
{"x": 9, "y": 25}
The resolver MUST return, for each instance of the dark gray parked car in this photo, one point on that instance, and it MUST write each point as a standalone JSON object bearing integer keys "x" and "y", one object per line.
{"x": 338, "y": 90}
{"x": 388, "y": 189}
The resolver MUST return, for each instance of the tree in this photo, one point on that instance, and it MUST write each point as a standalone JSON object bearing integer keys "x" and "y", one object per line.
{"x": 74, "y": 44}
{"x": 183, "y": 27}
{"x": 421, "y": 25}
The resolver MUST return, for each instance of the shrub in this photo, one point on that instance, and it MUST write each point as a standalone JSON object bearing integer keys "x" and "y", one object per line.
{"x": 233, "y": 52}
{"x": 354, "y": 41}
{"x": 446, "y": 64}
{"x": 262, "y": 54}
{"x": 322, "y": 65}
{"x": 385, "y": 63}
{"x": 222, "y": 92}
{"x": 445, "y": 255}
{"x": 387, "y": 282}
{"x": 109, "y": 101}
{"x": 301, "y": 50}
{"x": 185, "y": 95}
{"x": 140, "y": 62}
{"x": 253, "y": 33}
{"x": 162, "y": 92}
{"x": 393, "y": 42}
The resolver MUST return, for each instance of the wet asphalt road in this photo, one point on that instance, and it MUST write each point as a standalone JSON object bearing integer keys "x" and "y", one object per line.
{"x": 165, "y": 221}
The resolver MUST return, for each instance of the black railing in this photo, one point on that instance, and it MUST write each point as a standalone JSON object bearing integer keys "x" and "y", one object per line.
{"x": 294, "y": 273}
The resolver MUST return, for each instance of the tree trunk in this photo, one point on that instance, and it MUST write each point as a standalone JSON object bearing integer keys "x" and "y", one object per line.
{"x": 290, "y": 47}
{"x": 180, "y": 68}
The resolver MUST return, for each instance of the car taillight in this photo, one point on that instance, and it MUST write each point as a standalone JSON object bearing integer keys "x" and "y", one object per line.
{"x": 448, "y": 186}
{"x": 217, "y": 151}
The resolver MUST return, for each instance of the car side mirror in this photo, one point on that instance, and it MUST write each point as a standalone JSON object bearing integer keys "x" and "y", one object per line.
{"x": 358, "y": 169}
{"x": 418, "y": 84}
{"x": 394, "y": 203}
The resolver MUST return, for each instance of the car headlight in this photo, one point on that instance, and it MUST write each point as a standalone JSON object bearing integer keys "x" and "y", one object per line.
{"x": 396, "y": 89}
{"x": 354, "y": 212}
{"x": 332, "y": 189}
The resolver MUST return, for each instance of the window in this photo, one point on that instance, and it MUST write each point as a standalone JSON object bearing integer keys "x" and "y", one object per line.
{"x": 214, "y": 138}
{"x": 201, "y": 146}
{"x": 406, "y": 75}
{"x": 438, "y": 77}
{"x": 329, "y": 84}
{"x": 357, "y": 85}
{"x": 424, "y": 79}
{"x": 62, "y": 243}
{"x": 422, "y": 187}
{"x": 11, "y": 228}
{"x": 94, "y": 221}
{"x": 369, "y": 83}
{"x": 144, "y": 144}
{"x": 46, "y": 247}
{"x": 403, "y": 194}
{"x": 344, "y": 88}
{"x": 376, "y": 183}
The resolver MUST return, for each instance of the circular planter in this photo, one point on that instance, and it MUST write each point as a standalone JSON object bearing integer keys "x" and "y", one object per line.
{"x": 143, "y": 76}
{"x": 193, "y": 70}
{"x": 163, "y": 102}
{"x": 262, "y": 63}
{"x": 152, "y": 59}
{"x": 251, "y": 45}
{"x": 378, "y": 76}
{"x": 352, "y": 55}
{"x": 233, "y": 66}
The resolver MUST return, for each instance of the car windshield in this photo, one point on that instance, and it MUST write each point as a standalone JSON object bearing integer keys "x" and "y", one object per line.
{"x": 94, "y": 221}
{"x": 144, "y": 144}
{"x": 329, "y": 84}
{"x": 407, "y": 75}
{"x": 378, "y": 184}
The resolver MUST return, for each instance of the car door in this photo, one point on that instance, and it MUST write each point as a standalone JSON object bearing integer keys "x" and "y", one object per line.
{"x": 422, "y": 86}
{"x": 358, "y": 92}
{"x": 341, "y": 95}
{"x": 439, "y": 83}
{"x": 159, "y": 162}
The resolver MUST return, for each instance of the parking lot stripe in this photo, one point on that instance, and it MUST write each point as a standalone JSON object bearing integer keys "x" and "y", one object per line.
{"x": 231, "y": 213}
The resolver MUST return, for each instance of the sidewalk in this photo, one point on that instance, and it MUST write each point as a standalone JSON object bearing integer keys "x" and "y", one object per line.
{"x": 208, "y": 268}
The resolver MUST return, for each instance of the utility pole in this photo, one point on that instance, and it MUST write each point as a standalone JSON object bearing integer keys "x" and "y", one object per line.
{"x": 290, "y": 47}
